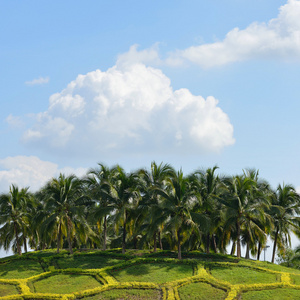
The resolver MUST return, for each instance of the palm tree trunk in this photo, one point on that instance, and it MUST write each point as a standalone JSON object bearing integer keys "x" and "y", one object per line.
{"x": 160, "y": 241}
{"x": 247, "y": 256}
{"x": 233, "y": 248}
{"x": 124, "y": 234}
{"x": 154, "y": 240}
{"x": 69, "y": 235}
{"x": 207, "y": 243}
{"x": 179, "y": 244}
{"x": 238, "y": 240}
{"x": 221, "y": 247}
{"x": 58, "y": 237}
{"x": 214, "y": 243}
{"x": 104, "y": 233}
{"x": 135, "y": 241}
{"x": 17, "y": 239}
{"x": 258, "y": 250}
{"x": 275, "y": 243}
{"x": 124, "y": 239}
{"x": 25, "y": 244}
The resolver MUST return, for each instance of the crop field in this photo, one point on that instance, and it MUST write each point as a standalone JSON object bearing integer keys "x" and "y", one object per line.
{"x": 137, "y": 275}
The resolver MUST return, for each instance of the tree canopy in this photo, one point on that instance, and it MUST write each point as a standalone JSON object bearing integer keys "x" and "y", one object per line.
{"x": 110, "y": 208}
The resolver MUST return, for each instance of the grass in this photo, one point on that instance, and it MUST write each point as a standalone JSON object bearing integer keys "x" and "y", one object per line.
{"x": 8, "y": 289}
{"x": 20, "y": 269}
{"x": 195, "y": 255}
{"x": 296, "y": 279}
{"x": 270, "y": 266}
{"x": 161, "y": 272}
{"x": 86, "y": 262}
{"x": 201, "y": 291}
{"x": 65, "y": 284}
{"x": 276, "y": 294}
{"x": 241, "y": 275}
{"x": 121, "y": 294}
{"x": 153, "y": 272}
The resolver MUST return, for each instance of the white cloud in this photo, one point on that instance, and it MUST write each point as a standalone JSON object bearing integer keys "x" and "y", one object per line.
{"x": 14, "y": 121}
{"x": 57, "y": 129}
{"x": 30, "y": 171}
{"x": 145, "y": 56}
{"x": 278, "y": 39}
{"x": 130, "y": 108}
{"x": 38, "y": 81}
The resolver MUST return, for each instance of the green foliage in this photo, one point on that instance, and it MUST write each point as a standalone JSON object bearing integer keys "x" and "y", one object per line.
{"x": 285, "y": 257}
{"x": 64, "y": 210}
{"x": 289, "y": 258}
{"x": 15, "y": 213}
{"x": 149, "y": 209}
{"x": 285, "y": 211}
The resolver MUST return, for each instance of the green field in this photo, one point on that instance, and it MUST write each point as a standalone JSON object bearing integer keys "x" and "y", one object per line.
{"x": 141, "y": 275}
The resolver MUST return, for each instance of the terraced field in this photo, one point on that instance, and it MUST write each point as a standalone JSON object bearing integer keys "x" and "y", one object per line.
{"x": 139, "y": 275}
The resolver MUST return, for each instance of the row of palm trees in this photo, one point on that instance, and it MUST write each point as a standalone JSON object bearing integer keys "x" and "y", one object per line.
{"x": 149, "y": 208}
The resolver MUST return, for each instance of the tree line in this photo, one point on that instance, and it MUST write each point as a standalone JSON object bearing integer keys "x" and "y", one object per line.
{"x": 151, "y": 208}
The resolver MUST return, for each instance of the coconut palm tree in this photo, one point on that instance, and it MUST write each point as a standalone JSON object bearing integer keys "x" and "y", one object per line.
{"x": 123, "y": 197}
{"x": 64, "y": 208}
{"x": 210, "y": 188}
{"x": 178, "y": 200}
{"x": 257, "y": 225}
{"x": 15, "y": 217}
{"x": 149, "y": 211}
{"x": 98, "y": 182}
{"x": 244, "y": 208}
{"x": 285, "y": 209}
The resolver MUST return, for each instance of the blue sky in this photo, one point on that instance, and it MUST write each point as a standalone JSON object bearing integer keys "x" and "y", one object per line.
{"x": 191, "y": 83}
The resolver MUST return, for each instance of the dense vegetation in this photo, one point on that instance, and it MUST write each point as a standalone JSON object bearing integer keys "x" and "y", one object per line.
{"x": 142, "y": 275}
{"x": 150, "y": 209}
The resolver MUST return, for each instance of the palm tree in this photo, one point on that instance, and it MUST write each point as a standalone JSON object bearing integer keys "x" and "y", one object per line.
{"x": 244, "y": 207}
{"x": 98, "y": 182}
{"x": 15, "y": 218}
{"x": 149, "y": 210}
{"x": 178, "y": 200}
{"x": 257, "y": 225}
{"x": 64, "y": 207}
{"x": 209, "y": 186}
{"x": 42, "y": 236}
{"x": 123, "y": 198}
{"x": 284, "y": 210}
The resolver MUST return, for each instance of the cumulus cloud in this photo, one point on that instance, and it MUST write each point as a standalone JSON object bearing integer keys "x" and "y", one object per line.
{"x": 30, "y": 171}
{"x": 130, "y": 108}
{"x": 38, "y": 81}
{"x": 277, "y": 39}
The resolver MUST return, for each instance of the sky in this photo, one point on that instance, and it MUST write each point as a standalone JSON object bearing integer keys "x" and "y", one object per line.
{"x": 191, "y": 83}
